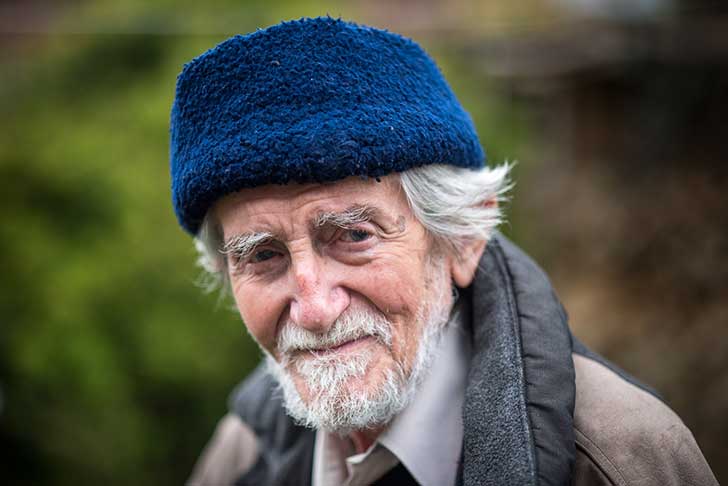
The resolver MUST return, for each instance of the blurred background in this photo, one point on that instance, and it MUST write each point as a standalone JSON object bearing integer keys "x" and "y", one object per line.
{"x": 115, "y": 366}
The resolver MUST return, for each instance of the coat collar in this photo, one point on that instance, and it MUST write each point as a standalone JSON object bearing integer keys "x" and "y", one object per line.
{"x": 519, "y": 403}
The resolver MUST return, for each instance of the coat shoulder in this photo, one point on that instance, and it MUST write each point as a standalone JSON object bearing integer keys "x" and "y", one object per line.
{"x": 231, "y": 452}
{"x": 626, "y": 436}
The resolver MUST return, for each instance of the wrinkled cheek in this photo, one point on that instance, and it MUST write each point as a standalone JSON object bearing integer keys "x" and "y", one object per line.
{"x": 259, "y": 308}
{"x": 392, "y": 297}
{"x": 260, "y": 324}
{"x": 405, "y": 349}
{"x": 399, "y": 302}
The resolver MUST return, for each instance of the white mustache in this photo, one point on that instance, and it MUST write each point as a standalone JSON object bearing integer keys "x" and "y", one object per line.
{"x": 350, "y": 326}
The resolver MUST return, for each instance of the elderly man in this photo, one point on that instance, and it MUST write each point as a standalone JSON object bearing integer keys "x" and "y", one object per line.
{"x": 338, "y": 189}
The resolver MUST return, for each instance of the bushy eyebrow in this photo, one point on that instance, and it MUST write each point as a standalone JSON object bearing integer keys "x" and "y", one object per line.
{"x": 345, "y": 219}
{"x": 241, "y": 246}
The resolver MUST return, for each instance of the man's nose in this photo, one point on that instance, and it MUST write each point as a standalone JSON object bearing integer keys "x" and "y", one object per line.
{"x": 318, "y": 298}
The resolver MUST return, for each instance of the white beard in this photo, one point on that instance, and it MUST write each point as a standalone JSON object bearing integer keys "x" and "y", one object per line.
{"x": 333, "y": 405}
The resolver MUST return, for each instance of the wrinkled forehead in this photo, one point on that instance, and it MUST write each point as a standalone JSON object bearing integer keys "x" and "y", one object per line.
{"x": 307, "y": 204}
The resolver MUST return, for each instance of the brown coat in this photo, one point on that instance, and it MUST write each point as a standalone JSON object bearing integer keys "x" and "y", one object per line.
{"x": 540, "y": 408}
{"x": 624, "y": 437}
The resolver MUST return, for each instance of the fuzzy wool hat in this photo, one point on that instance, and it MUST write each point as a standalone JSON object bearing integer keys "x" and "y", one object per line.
{"x": 310, "y": 100}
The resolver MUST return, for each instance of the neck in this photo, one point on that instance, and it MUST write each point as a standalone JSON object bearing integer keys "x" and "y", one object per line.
{"x": 363, "y": 439}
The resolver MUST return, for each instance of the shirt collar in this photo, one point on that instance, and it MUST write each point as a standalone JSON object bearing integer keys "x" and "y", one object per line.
{"x": 427, "y": 435}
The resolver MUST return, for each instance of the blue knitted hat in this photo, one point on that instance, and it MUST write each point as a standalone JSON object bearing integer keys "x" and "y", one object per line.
{"x": 310, "y": 100}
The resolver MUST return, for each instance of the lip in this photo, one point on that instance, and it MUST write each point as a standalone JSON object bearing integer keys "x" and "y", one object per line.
{"x": 344, "y": 347}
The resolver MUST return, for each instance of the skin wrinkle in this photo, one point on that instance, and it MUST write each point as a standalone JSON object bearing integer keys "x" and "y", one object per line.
{"x": 315, "y": 279}
{"x": 242, "y": 246}
{"x": 401, "y": 223}
{"x": 455, "y": 205}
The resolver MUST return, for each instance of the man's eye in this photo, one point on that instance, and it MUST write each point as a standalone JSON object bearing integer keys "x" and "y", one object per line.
{"x": 263, "y": 255}
{"x": 355, "y": 236}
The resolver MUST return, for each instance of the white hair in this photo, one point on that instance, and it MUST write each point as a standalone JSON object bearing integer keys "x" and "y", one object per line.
{"x": 454, "y": 204}
{"x": 457, "y": 205}
{"x": 332, "y": 404}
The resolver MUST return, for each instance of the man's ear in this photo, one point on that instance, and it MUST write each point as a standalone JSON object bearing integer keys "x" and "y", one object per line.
{"x": 464, "y": 264}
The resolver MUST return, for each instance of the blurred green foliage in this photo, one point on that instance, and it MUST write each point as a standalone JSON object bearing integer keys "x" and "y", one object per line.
{"x": 109, "y": 353}
{"x": 114, "y": 366}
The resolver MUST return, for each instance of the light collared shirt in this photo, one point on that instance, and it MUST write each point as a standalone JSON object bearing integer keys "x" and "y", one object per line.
{"x": 426, "y": 437}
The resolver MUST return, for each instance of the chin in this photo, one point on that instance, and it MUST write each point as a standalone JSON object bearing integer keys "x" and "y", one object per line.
{"x": 352, "y": 394}
{"x": 360, "y": 372}
{"x": 352, "y": 391}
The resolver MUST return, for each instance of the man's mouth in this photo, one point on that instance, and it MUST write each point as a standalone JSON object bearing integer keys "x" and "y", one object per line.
{"x": 343, "y": 347}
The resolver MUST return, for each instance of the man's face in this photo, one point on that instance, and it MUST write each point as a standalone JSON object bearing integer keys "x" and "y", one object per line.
{"x": 336, "y": 282}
